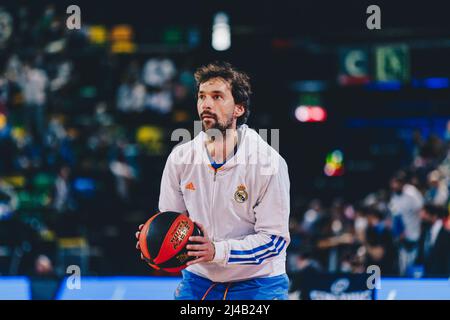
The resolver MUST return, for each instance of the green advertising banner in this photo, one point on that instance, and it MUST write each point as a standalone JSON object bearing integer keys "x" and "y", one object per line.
{"x": 392, "y": 63}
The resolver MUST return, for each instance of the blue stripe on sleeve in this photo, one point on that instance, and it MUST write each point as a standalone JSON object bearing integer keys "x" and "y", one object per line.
{"x": 252, "y": 251}
{"x": 255, "y": 259}
{"x": 271, "y": 255}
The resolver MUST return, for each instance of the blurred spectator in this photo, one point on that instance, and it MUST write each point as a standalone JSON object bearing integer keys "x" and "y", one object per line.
{"x": 131, "y": 95}
{"x": 306, "y": 267}
{"x": 62, "y": 73}
{"x": 63, "y": 198}
{"x": 379, "y": 243}
{"x": 360, "y": 224}
{"x": 34, "y": 84}
{"x": 158, "y": 74}
{"x": 43, "y": 266}
{"x": 159, "y": 100}
{"x": 410, "y": 188}
{"x": 4, "y": 95}
{"x": 434, "y": 249}
{"x": 123, "y": 172}
{"x": 405, "y": 209}
{"x": 431, "y": 152}
{"x": 335, "y": 235}
{"x": 311, "y": 217}
{"x": 8, "y": 200}
{"x": 158, "y": 71}
{"x": 29, "y": 155}
{"x": 437, "y": 192}
{"x": 13, "y": 68}
{"x": 418, "y": 143}
{"x": 6, "y": 30}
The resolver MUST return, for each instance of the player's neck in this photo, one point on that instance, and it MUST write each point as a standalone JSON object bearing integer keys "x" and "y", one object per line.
{"x": 221, "y": 149}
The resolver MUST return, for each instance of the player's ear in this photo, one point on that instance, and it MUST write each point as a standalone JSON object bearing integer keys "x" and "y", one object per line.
{"x": 239, "y": 110}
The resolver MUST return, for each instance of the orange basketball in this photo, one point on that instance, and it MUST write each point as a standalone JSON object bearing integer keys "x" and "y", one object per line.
{"x": 163, "y": 240}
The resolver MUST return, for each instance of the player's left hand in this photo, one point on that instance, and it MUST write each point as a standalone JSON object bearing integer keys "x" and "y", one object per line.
{"x": 204, "y": 250}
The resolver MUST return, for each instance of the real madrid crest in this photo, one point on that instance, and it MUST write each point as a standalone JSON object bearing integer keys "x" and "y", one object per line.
{"x": 241, "y": 194}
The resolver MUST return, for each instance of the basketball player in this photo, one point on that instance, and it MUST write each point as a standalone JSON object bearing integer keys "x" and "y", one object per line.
{"x": 235, "y": 187}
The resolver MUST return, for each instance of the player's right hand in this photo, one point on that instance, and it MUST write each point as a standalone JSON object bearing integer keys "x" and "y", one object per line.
{"x": 137, "y": 237}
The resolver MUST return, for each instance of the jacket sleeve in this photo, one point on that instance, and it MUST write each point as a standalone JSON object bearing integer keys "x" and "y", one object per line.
{"x": 271, "y": 236}
{"x": 171, "y": 196}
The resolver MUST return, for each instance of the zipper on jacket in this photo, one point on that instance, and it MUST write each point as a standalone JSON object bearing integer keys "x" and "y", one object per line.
{"x": 211, "y": 214}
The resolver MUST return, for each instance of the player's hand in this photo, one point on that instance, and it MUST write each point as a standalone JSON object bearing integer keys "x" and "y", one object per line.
{"x": 204, "y": 250}
{"x": 137, "y": 237}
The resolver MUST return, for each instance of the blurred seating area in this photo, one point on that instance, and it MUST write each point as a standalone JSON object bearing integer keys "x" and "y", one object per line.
{"x": 82, "y": 132}
{"x": 403, "y": 228}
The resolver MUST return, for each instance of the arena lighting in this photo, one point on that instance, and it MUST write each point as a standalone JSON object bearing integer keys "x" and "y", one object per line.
{"x": 436, "y": 83}
{"x": 310, "y": 114}
{"x": 309, "y": 86}
{"x": 431, "y": 83}
{"x": 317, "y": 114}
{"x": 97, "y": 34}
{"x": 221, "y": 35}
{"x": 3, "y": 121}
{"x": 173, "y": 35}
{"x": 301, "y": 114}
{"x": 334, "y": 164}
{"x": 122, "y": 32}
{"x": 393, "y": 85}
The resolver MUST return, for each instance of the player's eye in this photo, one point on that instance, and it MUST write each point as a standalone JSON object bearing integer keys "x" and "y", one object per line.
{"x": 201, "y": 97}
{"x": 217, "y": 97}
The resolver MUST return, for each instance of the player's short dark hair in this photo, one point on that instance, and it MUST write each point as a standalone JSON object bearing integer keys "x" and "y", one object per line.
{"x": 239, "y": 81}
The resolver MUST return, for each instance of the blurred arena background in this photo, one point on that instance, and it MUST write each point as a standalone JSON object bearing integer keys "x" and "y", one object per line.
{"x": 86, "y": 118}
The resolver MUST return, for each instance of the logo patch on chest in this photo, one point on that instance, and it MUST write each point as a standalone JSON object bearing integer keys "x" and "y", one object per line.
{"x": 241, "y": 194}
{"x": 190, "y": 186}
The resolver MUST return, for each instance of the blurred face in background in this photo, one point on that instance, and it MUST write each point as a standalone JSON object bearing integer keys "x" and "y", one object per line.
{"x": 360, "y": 221}
{"x": 316, "y": 205}
{"x": 433, "y": 179}
{"x": 372, "y": 220}
{"x": 65, "y": 173}
{"x": 43, "y": 265}
{"x": 426, "y": 217}
{"x": 396, "y": 186}
{"x": 216, "y": 106}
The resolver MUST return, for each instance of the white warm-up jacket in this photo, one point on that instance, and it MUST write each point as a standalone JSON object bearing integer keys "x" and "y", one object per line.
{"x": 244, "y": 205}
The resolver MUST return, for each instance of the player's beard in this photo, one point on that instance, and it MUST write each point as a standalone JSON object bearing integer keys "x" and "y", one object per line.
{"x": 222, "y": 127}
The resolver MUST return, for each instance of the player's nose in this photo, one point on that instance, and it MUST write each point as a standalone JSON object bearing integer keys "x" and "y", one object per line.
{"x": 207, "y": 104}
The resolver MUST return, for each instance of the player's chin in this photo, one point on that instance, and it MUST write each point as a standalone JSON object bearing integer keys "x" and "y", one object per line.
{"x": 207, "y": 125}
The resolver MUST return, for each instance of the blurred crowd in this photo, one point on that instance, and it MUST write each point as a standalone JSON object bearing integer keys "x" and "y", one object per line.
{"x": 404, "y": 229}
{"x": 79, "y": 122}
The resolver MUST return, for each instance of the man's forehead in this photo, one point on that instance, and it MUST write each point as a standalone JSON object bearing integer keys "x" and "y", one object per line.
{"x": 215, "y": 84}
